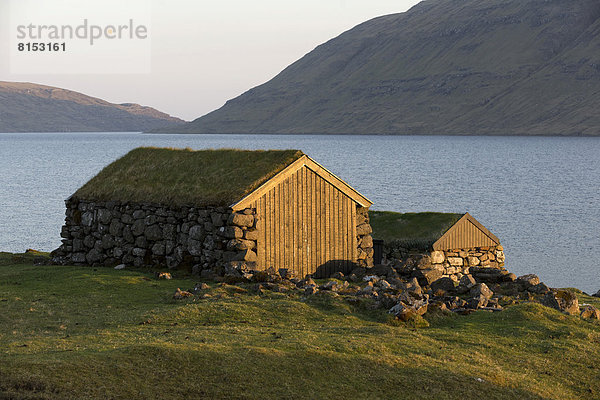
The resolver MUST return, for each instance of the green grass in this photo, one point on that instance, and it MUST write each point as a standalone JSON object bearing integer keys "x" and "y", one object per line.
{"x": 185, "y": 177}
{"x": 414, "y": 230}
{"x": 79, "y": 332}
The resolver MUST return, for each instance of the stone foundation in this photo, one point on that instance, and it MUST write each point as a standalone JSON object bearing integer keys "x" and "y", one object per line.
{"x": 111, "y": 233}
{"x": 429, "y": 266}
{"x": 213, "y": 239}
{"x": 364, "y": 239}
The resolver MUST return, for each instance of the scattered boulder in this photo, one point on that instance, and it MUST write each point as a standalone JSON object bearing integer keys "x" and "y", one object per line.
{"x": 481, "y": 289}
{"x": 163, "y": 275}
{"x": 413, "y": 286}
{"x": 338, "y": 275}
{"x": 331, "y": 285}
{"x": 477, "y": 302}
{"x": 181, "y": 294}
{"x": 590, "y": 312}
{"x": 528, "y": 280}
{"x": 368, "y": 289}
{"x": 562, "y": 300}
{"x": 540, "y": 288}
{"x": 467, "y": 281}
{"x": 120, "y": 266}
{"x": 383, "y": 285}
{"x": 443, "y": 284}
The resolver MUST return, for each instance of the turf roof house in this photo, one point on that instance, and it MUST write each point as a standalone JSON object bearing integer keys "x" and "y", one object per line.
{"x": 451, "y": 245}
{"x": 218, "y": 209}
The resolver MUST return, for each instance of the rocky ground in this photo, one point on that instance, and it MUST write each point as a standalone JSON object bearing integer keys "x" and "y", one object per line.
{"x": 409, "y": 298}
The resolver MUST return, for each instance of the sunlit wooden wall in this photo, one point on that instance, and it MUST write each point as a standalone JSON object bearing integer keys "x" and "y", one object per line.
{"x": 306, "y": 225}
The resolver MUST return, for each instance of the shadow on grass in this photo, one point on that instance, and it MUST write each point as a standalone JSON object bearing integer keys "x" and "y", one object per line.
{"x": 244, "y": 373}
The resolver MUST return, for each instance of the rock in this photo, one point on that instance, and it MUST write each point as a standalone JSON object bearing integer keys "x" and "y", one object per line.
{"x": 196, "y": 233}
{"x": 163, "y": 275}
{"x": 201, "y": 286}
{"x": 413, "y": 287}
{"x": 438, "y": 306}
{"x": 231, "y": 232}
{"x": 364, "y": 229}
{"x": 477, "y": 301}
{"x": 338, "y": 275}
{"x": 444, "y": 284}
{"x": 243, "y": 220}
{"x": 590, "y": 312}
{"x": 251, "y": 235}
{"x": 93, "y": 256}
{"x": 437, "y": 257}
{"x": 180, "y": 294}
{"x": 153, "y": 232}
{"x": 310, "y": 290}
{"x": 120, "y": 266}
{"x": 240, "y": 244}
{"x": 383, "y": 285}
{"x": 481, "y": 289}
{"x": 467, "y": 281}
{"x": 528, "y": 280}
{"x": 540, "y": 288}
{"x": 138, "y": 227}
{"x": 368, "y": 289}
{"x": 428, "y": 276}
{"x": 87, "y": 218}
{"x": 331, "y": 285}
{"x": 366, "y": 242}
{"x": 359, "y": 272}
{"x": 509, "y": 277}
{"x": 456, "y": 261}
{"x": 158, "y": 249}
{"x": 115, "y": 228}
{"x": 370, "y": 278}
{"x": 403, "y": 312}
{"x": 138, "y": 252}
{"x": 562, "y": 300}
{"x": 473, "y": 261}
{"x": 500, "y": 257}
{"x": 597, "y": 294}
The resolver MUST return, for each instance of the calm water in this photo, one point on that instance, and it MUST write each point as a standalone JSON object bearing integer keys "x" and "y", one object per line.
{"x": 540, "y": 196}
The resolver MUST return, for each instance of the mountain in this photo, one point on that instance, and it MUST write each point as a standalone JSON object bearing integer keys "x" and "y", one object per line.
{"x": 27, "y": 107}
{"x": 510, "y": 67}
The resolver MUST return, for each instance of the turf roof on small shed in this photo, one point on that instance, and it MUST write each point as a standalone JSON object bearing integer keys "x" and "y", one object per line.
{"x": 185, "y": 177}
{"x": 413, "y": 230}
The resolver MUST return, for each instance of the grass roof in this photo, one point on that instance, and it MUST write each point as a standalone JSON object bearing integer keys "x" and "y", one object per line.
{"x": 411, "y": 230}
{"x": 185, "y": 177}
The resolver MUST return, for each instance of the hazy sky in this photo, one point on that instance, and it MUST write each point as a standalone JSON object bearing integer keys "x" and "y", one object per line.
{"x": 206, "y": 52}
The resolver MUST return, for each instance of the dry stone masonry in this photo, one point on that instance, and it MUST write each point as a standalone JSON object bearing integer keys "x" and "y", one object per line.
{"x": 112, "y": 233}
{"x": 429, "y": 266}
{"x": 211, "y": 239}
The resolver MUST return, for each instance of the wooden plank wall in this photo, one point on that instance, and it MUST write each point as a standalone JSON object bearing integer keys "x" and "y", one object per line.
{"x": 464, "y": 235}
{"x": 306, "y": 224}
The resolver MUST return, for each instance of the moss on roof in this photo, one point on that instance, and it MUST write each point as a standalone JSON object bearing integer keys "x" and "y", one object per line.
{"x": 185, "y": 177}
{"x": 411, "y": 230}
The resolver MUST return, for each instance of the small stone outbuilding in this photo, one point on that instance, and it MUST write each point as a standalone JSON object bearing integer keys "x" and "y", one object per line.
{"x": 218, "y": 209}
{"x": 437, "y": 245}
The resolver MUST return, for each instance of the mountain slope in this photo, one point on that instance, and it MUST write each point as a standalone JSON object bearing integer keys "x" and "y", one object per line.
{"x": 443, "y": 67}
{"x": 27, "y": 107}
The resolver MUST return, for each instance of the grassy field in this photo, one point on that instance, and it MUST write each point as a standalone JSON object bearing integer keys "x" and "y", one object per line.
{"x": 79, "y": 332}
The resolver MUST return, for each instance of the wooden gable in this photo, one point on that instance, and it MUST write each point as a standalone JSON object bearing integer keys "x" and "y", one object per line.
{"x": 307, "y": 162}
{"x": 465, "y": 234}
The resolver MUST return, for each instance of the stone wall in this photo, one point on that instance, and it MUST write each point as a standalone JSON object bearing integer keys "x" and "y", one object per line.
{"x": 429, "y": 266}
{"x": 365, "y": 241}
{"x": 112, "y": 233}
{"x": 213, "y": 239}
